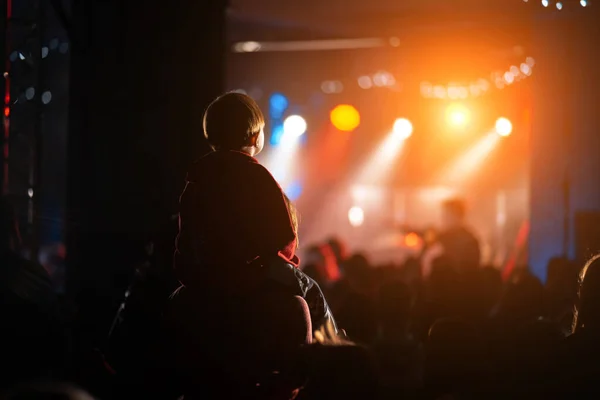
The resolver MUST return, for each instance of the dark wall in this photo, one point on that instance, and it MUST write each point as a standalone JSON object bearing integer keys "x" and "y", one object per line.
{"x": 565, "y": 167}
{"x": 141, "y": 76}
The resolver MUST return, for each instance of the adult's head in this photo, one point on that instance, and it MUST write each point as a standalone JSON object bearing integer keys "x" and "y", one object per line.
{"x": 453, "y": 212}
{"x": 234, "y": 121}
{"x": 9, "y": 230}
{"x": 454, "y": 356}
{"x": 587, "y": 306}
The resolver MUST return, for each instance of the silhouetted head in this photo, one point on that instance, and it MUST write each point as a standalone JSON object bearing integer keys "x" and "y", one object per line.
{"x": 453, "y": 212}
{"x": 587, "y": 307}
{"x": 562, "y": 275}
{"x": 9, "y": 228}
{"x": 234, "y": 121}
{"x": 523, "y": 299}
{"x": 454, "y": 354}
{"x": 338, "y": 248}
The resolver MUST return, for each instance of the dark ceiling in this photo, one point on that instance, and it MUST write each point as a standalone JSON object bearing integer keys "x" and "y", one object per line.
{"x": 299, "y": 19}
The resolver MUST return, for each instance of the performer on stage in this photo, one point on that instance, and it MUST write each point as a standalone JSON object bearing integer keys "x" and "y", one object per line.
{"x": 456, "y": 242}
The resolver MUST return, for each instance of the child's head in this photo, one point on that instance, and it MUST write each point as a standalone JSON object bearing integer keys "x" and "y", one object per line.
{"x": 234, "y": 121}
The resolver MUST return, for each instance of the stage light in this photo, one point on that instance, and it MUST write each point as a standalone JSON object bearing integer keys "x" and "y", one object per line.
{"x": 503, "y": 126}
{"x": 525, "y": 69}
{"x": 365, "y": 82}
{"x": 412, "y": 240}
{"x": 46, "y": 97}
{"x": 247, "y": 47}
{"x": 276, "y": 134}
{"x": 345, "y": 117}
{"x": 583, "y": 3}
{"x": 403, "y": 128}
{"x": 458, "y": 115}
{"x": 545, "y": 3}
{"x": 356, "y": 216}
{"x": 294, "y": 126}
{"x": 278, "y": 103}
{"x": 559, "y": 6}
{"x": 294, "y": 190}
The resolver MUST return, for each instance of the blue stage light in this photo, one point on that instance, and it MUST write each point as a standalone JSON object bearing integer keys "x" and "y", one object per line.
{"x": 294, "y": 190}
{"x": 276, "y": 134}
{"x": 278, "y": 103}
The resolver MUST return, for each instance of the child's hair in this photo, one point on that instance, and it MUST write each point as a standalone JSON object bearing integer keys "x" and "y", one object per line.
{"x": 294, "y": 217}
{"x": 231, "y": 120}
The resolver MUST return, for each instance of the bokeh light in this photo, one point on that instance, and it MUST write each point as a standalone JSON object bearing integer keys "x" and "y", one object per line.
{"x": 276, "y": 134}
{"x": 412, "y": 240}
{"x": 503, "y": 126}
{"x": 345, "y": 117}
{"x": 294, "y": 126}
{"x": 403, "y": 128}
{"x": 356, "y": 216}
{"x": 294, "y": 190}
{"x": 278, "y": 103}
{"x": 458, "y": 115}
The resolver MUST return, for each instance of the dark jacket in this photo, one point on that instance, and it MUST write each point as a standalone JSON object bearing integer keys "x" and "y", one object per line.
{"x": 232, "y": 341}
{"x": 232, "y": 212}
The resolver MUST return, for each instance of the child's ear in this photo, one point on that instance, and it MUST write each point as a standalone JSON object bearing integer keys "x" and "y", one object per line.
{"x": 252, "y": 140}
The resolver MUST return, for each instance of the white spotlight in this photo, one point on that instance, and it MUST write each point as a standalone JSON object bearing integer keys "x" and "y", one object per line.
{"x": 356, "y": 216}
{"x": 583, "y": 3}
{"x": 294, "y": 126}
{"x": 403, "y": 128}
{"x": 545, "y": 3}
{"x": 503, "y": 126}
{"x": 559, "y": 6}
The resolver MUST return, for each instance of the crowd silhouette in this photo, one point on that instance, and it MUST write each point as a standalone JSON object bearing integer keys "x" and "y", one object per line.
{"x": 239, "y": 316}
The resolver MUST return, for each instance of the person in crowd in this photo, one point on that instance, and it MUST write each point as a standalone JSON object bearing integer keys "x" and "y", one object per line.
{"x": 321, "y": 264}
{"x": 455, "y": 360}
{"x": 456, "y": 242}
{"x": 234, "y": 217}
{"x": 236, "y": 260}
{"x": 580, "y": 354}
{"x": 33, "y": 342}
{"x": 337, "y": 368}
{"x": 340, "y": 252}
{"x": 399, "y": 354}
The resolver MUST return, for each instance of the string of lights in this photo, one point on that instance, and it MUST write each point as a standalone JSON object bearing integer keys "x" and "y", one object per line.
{"x": 560, "y": 4}
{"x": 452, "y": 90}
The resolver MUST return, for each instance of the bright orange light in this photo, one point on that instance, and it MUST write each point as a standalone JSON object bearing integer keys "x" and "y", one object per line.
{"x": 345, "y": 117}
{"x": 458, "y": 115}
{"x": 6, "y": 111}
{"x": 412, "y": 240}
{"x": 503, "y": 126}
